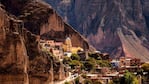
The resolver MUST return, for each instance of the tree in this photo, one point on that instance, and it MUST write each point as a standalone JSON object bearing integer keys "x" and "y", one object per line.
{"x": 84, "y": 75}
{"x": 111, "y": 82}
{"x": 90, "y": 64}
{"x": 96, "y": 82}
{"x": 66, "y": 82}
{"x": 75, "y": 57}
{"x": 103, "y": 63}
{"x": 95, "y": 55}
{"x": 135, "y": 81}
{"x": 118, "y": 80}
{"x": 145, "y": 67}
{"x": 77, "y": 80}
{"x": 87, "y": 81}
{"x": 66, "y": 60}
{"x": 74, "y": 63}
{"x": 128, "y": 78}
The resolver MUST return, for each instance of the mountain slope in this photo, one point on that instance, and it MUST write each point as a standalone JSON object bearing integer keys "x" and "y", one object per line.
{"x": 101, "y": 20}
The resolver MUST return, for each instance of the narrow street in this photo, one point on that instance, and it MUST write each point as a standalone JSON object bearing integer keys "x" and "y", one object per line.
{"x": 71, "y": 77}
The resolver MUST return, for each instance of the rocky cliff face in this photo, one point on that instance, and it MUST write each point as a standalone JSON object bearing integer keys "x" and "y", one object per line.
{"x": 22, "y": 24}
{"x": 13, "y": 55}
{"x": 120, "y": 27}
{"x": 41, "y": 19}
{"x": 22, "y": 61}
{"x": 49, "y": 25}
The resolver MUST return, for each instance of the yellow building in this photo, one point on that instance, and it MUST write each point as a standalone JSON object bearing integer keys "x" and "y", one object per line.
{"x": 67, "y": 46}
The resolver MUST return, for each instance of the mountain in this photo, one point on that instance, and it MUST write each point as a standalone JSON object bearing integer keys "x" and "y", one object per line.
{"x": 119, "y": 27}
{"x": 22, "y": 24}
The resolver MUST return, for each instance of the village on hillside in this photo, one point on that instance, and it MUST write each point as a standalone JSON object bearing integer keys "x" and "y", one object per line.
{"x": 94, "y": 67}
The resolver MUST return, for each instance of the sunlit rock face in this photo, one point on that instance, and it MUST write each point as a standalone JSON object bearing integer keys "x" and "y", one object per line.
{"x": 13, "y": 54}
{"x": 119, "y": 27}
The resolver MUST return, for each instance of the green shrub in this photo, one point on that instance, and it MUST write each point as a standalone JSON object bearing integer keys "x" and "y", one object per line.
{"x": 90, "y": 64}
{"x": 103, "y": 63}
{"x": 75, "y": 57}
{"x": 129, "y": 78}
{"x": 74, "y": 63}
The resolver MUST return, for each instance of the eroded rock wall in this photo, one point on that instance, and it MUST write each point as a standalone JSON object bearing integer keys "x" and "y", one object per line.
{"x": 13, "y": 55}
{"x": 42, "y": 20}
{"x": 22, "y": 60}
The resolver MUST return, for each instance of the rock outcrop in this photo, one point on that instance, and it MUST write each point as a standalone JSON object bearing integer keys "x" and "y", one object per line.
{"x": 22, "y": 60}
{"x": 22, "y": 24}
{"x": 119, "y": 27}
{"x": 41, "y": 19}
{"x": 13, "y": 55}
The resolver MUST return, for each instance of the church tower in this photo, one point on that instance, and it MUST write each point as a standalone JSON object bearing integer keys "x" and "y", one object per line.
{"x": 68, "y": 44}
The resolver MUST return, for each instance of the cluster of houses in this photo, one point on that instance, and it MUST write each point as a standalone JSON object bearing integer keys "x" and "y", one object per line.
{"x": 119, "y": 66}
{"x": 126, "y": 63}
{"x": 104, "y": 74}
{"x": 59, "y": 49}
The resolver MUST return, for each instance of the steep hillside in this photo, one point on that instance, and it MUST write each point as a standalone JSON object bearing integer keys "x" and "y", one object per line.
{"x": 22, "y": 24}
{"x": 120, "y": 27}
